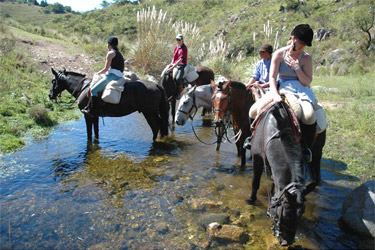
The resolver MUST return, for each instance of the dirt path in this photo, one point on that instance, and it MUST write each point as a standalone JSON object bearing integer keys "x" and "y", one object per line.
{"x": 56, "y": 55}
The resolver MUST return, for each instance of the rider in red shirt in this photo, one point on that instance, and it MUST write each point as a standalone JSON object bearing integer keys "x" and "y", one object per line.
{"x": 180, "y": 52}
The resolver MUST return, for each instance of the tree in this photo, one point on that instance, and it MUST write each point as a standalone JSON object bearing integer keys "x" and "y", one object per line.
{"x": 105, "y": 4}
{"x": 365, "y": 20}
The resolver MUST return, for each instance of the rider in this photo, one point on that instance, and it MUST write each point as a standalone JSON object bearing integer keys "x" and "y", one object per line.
{"x": 180, "y": 52}
{"x": 291, "y": 70}
{"x": 113, "y": 70}
{"x": 259, "y": 80}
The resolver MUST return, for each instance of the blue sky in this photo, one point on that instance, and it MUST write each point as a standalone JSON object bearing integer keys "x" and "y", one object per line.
{"x": 79, "y": 5}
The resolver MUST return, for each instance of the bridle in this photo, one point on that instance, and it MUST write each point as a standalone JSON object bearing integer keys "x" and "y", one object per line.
{"x": 225, "y": 121}
{"x": 194, "y": 106}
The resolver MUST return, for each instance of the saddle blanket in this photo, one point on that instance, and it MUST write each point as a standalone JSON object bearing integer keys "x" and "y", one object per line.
{"x": 306, "y": 112}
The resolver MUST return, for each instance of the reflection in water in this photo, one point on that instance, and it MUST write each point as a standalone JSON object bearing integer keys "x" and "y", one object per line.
{"x": 127, "y": 192}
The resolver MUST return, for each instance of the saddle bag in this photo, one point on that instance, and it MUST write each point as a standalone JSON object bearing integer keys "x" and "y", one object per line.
{"x": 113, "y": 90}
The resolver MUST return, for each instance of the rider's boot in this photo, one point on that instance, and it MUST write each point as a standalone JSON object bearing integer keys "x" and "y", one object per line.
{"x": 92, "y": 107}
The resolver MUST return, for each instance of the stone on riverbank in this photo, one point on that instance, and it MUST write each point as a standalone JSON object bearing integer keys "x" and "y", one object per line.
{"x": 359, "y": 210}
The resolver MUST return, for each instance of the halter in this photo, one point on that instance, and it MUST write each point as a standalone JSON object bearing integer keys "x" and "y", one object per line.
{"x": 227, "y": 113}
{"x": 193, "y": 106}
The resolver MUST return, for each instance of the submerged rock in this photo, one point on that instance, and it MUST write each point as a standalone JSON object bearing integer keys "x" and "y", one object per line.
{"x": 359, "y": 210}
{"x": 227, "y": 233}
{"x": 202, "y": 204}
{"x": 206, "y": 219}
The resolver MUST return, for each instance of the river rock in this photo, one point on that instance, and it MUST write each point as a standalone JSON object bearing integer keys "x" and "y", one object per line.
{"x": 227, "y": 233}
{"x": 203, "y": 203}
{"x": 206, "y": 219}
{"x": 359, "y": 210}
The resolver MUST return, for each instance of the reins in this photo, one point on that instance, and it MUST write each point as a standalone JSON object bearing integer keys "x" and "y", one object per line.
{"x": 192, "y": 117}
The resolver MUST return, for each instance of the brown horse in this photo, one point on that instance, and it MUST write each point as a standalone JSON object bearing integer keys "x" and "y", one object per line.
{"x": 170, "y": 87}
{"x": 232, "y": 100}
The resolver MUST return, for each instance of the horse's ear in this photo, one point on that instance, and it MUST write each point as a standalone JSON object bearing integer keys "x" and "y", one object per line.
{"x": 228, "y": 83}
{"x": 308, "y": 188}
{"x": 54, "y": 72}
{"x": 64, "y": 70}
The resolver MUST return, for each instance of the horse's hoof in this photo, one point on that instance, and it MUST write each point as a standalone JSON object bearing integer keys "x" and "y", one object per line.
{"x": 251, "y": 201}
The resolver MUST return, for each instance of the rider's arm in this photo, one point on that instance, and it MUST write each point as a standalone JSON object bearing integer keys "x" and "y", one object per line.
{"x": 108, "y": 61}
{"x": 274, "y": 71}
{"x": 305, "y": 73}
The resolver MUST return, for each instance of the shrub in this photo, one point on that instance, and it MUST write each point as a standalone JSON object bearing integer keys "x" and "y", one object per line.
{"x": 40, "y": 116}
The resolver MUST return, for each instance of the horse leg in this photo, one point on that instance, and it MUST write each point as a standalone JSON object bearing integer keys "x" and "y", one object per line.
{"x": 88, "y": 121}
{"x": 154, "y": 121}
{"x": 96, "y": 127}
{"x": 317, "y": 152}
{"x": 173, "y": 109}
{"x": 258, "y": 169}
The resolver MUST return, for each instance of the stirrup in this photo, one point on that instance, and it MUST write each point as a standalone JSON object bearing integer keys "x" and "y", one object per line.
{"x": 247, "y": 143}
{"x": 307, "y": 155}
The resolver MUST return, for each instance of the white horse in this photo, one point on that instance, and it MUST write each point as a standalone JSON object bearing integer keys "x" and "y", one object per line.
{"x": 192, "y": 99}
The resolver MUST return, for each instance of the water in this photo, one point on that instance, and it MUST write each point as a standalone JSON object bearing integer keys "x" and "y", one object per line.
{"x": 129, "y": 193}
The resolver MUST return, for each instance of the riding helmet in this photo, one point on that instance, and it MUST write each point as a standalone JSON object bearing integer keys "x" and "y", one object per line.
{"x": 304, "y": 33}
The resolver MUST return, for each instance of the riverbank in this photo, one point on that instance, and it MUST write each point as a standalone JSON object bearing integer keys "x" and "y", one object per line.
{"x": 25, "y": 110}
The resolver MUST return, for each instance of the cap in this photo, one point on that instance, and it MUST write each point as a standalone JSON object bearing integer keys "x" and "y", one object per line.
{"x": 180, "y": 37}
{"x": 266, "y": 47}
{"x": 304, "y": 33}
{"x": 112, "y": 40}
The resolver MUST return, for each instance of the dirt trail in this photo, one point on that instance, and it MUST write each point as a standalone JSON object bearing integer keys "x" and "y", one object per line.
{"x": 56, "y": 55}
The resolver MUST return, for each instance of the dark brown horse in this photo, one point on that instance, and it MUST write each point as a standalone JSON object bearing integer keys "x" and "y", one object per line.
{"x": 205, "y": 77}
{"x": 142, "y": 96}
{"x": 232, "y": 100}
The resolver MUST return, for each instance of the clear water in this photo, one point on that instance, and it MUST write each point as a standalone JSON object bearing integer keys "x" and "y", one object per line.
{"x": 129, "y": 193}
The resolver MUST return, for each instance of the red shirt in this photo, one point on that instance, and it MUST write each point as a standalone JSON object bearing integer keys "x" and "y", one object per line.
{"x": 180, "y": 52}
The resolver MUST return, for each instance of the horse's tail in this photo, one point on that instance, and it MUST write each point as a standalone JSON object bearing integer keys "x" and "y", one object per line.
{"x": 163, "y": 112}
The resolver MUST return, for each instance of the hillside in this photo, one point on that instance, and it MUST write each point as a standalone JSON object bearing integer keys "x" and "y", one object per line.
{"x": 240, "y": 23}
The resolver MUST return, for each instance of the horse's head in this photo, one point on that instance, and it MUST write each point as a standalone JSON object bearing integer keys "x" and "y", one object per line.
{"x": 63, "y": 80}
{"x": 186, "y": 107}
{"x": 220, "y": 100}
{"x": 286, "y": 209}
{"x": 58, "y": 84}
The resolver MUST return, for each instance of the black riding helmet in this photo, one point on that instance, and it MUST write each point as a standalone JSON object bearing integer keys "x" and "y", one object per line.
{"x": 304, "y": 33}
{"x": 113, "y": 41}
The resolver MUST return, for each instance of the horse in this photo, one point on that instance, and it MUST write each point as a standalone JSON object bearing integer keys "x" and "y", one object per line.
{"x": 232, "y": 101}
{"x": 205, "y": 77}
{"x": 276, "y": 145}
{"x": 192, "y": 99}
{"x": 142, "y": 96}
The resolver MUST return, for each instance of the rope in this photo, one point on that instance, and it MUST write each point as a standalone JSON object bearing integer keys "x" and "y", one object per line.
{"x": 192, "y": 127}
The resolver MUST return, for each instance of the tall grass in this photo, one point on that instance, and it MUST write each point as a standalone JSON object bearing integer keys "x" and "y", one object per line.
{"x": 156, "y": 39}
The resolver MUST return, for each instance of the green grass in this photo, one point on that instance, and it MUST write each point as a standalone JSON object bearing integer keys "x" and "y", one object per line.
{"x": 349, "y": 105}
{"x": 24, "y": 105}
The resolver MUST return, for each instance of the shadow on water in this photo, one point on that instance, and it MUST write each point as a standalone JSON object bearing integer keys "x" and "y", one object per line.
{"x": 127, "y": 192}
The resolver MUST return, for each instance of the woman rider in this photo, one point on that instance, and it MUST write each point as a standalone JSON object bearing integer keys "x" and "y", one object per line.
{"x": 113, "y": 70}
{"x": 180, "y": 52}
{"x": 291, "y": 70}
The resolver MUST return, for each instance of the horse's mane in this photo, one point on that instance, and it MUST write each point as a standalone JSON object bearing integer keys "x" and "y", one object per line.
{"x": 74, "y": 74}
{"x": 238, "y": 85}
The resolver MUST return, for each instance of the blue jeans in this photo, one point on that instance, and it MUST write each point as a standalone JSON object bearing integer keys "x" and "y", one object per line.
{"x": 100, "y": 86}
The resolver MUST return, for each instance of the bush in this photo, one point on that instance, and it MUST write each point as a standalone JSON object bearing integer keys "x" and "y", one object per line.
{"x": 40, "y": 116}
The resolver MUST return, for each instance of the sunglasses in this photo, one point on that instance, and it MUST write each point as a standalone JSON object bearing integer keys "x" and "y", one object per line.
{"x": 178, "y": 39}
